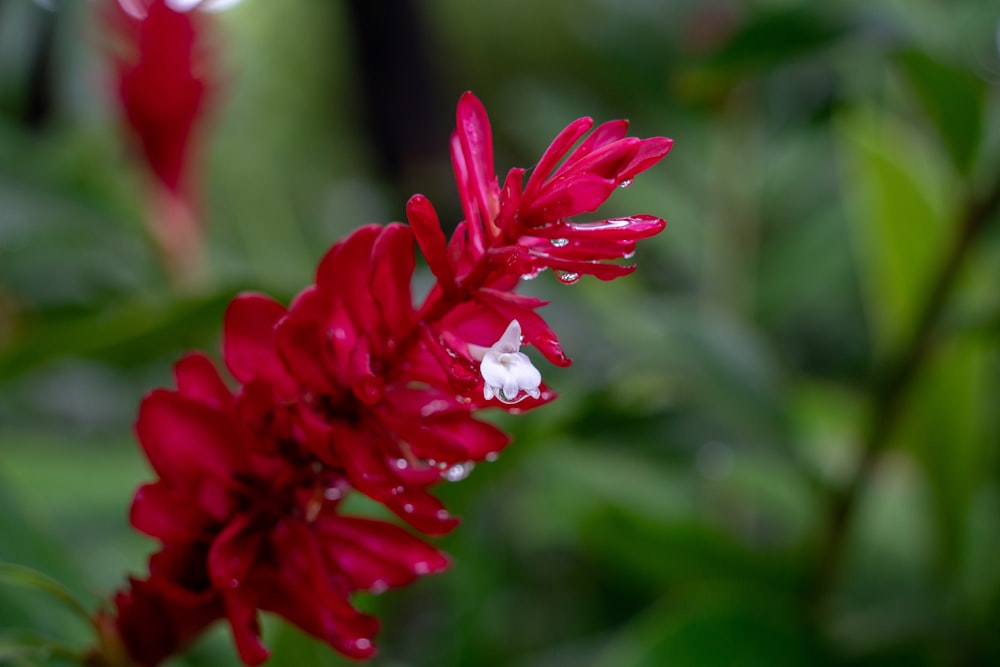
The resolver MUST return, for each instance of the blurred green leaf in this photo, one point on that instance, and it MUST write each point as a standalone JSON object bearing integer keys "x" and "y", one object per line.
{"x": 945, "y": 428}
{"x": 899, "y": 207}
{"x": 125, "y": 333}
{"x": 953, "y": 99}
{"x": 685, "y": 554}
{"x": 19, "y": 575}
{"x": 736, "y": 626}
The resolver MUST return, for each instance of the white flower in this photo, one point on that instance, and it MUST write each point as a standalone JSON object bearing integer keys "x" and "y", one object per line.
{"x": 508, "y": 373}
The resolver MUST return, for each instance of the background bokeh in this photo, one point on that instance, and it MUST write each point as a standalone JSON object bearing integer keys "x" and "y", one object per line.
{"x": 694, "y": 496}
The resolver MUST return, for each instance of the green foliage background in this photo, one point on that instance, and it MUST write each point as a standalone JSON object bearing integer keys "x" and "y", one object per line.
{"x": 814, "y": 335}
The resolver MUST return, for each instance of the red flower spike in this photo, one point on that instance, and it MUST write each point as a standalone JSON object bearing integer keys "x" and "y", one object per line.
{"x": 352, "y": 388}
{"x": 165, "y": 75}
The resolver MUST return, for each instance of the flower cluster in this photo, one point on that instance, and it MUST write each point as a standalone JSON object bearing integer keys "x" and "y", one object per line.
{"x": 353, "y": 387}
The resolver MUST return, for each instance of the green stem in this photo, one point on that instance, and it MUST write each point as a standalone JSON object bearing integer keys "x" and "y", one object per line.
{"x": 890, "y": 389}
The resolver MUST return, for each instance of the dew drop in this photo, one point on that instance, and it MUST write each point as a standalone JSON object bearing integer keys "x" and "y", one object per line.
{"x": 532, "y": 274}
{"x": 443, "y": 515}
{"x": 402, "y": 464}
{"x": 624, "y": 184}
{"x": 378, "y": 587}
{"x": 333, "y": 493}
{"x": 568, "y": 277}
{"x": 421, "y": 568}
{"x": 408, "y": 508}
{"x": 396, "y": 490}
{"x": 362, "y": 644}
{"x": 492, "y": 456}
{"x": 458, "y": 472}
{"x": 629, "y": 255}
{"x": 234, "y": 583}
{"x": 559, "y": 243}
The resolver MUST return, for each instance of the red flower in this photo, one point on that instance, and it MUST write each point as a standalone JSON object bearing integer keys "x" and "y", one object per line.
{"x": 248, "y": 524}
{"x": 353, "y": 387}
{"x": 164, "y": 74}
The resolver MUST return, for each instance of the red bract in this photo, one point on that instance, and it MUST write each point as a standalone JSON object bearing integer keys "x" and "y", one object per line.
{"x": 248, "y": 524}
{"x": 354, "y": 387}
{"x": 164, "y": 74}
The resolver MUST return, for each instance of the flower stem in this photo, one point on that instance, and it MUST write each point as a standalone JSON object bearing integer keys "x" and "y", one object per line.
{"x": 889, "y": 391}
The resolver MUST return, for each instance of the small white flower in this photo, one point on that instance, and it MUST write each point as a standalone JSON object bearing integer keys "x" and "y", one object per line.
{"x": 507, "y": 372}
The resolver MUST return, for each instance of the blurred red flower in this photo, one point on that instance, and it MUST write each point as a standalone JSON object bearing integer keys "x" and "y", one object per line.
{"x": 165, "y": 76}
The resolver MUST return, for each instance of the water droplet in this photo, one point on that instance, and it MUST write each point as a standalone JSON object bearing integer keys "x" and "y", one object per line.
{"x": 333, "y": 493}
{"x": 378, "y": 587}
{"x": 532, "y": 274}
{"x": 234, "y": 583}
{"x": 559, "y": 243}
{"x": 624, "y": 184}
{"x": 402, "y": 464}
{"x": 492, "y": 456}
{"x": 362, "y": 644}
{"x": 629, "y": 255}
{"x": 396, "y": 490}
{"x": 458, "y": 472}
{"x": 408, "y": 508}
{"x": 421, "y": 568}
{"x": 433, "y": 407}
{"x": 568, "y": 277}
{"x": 442, "y": 515}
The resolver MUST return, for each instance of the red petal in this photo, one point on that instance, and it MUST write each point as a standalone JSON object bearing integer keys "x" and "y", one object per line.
{"x": 602, "y": 135}
{"x": 302, "y": 340}
{"x": 377, "y": 554}
{"x": 430, "y": 237}
{"x": 555, "y": 152}
{"x": 198, "y": 378}
{"x": 476, "y": 138}
{"x": 184, "y": 439}
{"x": 248, "y": 341}
{"x": 631, "y": 228}
{"x": 568, "y": 196}
{"x": 159, "y": 512}
{"x": 392, "y": 272}
{"x": 650, "y": 152}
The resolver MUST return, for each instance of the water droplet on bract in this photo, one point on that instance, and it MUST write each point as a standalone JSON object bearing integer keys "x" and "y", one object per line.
{"x": 624, "y": 184}
{"x": 629, "y": 255}
{"x": 421, "y": 568}
{"x": 234, "y": 583}
{"x": 402, "y": 464}
{"x": 492, "y": 456}
{"x": 559, "y": 243}
{"x": 568, "y": 277}
{"x": 362, "y": 644}
{"x": 408, "y": 508}
{"x": 396, "y": 490}
{"x": 378, "y": 586}
{"x": 458, "y": 472}
{"x": 333, "y": 493}
{"x": 532, "y": 274}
